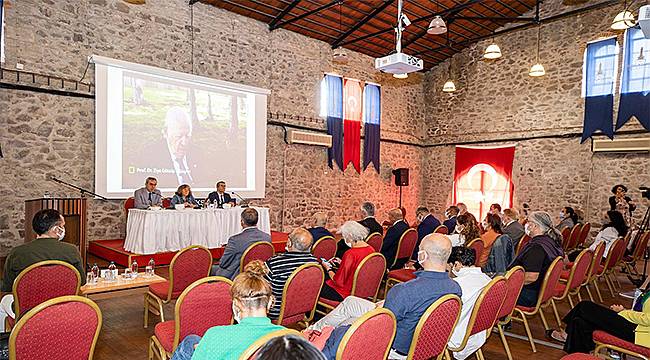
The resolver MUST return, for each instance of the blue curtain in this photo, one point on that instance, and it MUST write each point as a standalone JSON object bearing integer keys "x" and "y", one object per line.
{"x": 635, "y": 83}
{"x": 371, "y": 120}
{"x": 598, "y": 88}
{"x": 332, "y": 109}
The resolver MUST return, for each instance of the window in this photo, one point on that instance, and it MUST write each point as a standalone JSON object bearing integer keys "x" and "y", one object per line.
{"x": 599, "y": 71}
{"x": 636, "y": 67}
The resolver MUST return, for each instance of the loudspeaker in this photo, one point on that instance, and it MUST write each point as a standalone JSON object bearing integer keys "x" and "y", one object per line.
{"x": 401, "y": 176}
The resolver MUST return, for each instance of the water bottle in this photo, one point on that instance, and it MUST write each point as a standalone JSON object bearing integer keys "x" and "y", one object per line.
{"x": 110, "y": 275}
{"x": 134, "y": 269}
{"x": 150, "y": 268}
{"x": 637, "y": 295}
{"x": 95, "y": 271}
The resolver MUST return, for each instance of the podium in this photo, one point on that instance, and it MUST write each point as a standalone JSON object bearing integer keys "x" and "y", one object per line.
{"x": 74, "y": 212}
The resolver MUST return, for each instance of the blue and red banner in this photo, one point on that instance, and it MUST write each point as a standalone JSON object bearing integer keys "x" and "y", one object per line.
{"x": 351, "y": 123}
{"x": 332, "y": 109}
{"x": 371, "y": 122}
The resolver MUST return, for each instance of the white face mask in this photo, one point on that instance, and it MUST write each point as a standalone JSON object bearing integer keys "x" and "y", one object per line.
{"x": 458, "y": 229}
{"x": 527, "y": 229}
{"x": 562, "y": 215}
{"x": 236, "y": 314}
{"x": 454, "y": 271}
{"x": 286, "y": 247}
{"x": 61, "y": 233}
{"x": 484, "y": 224}
{"x": 348, "y": 243}
{"x": 422, "y": 256}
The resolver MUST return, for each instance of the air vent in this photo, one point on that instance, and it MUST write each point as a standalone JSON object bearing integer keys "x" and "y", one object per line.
{"x": 621, "y": 145}
{"x": 309, "y": 138}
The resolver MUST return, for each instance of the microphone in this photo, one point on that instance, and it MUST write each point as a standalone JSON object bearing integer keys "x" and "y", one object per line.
{"x": 244, "y": 202}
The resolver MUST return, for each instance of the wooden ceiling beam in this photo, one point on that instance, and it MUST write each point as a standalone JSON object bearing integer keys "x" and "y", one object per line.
{"x": 304, "y": 15}
{"x": 358, "y": 25}
{"x": 282, "y": 14}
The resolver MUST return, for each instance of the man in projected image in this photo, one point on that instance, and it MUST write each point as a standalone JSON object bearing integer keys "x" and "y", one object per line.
{"x": 178, "y": 133}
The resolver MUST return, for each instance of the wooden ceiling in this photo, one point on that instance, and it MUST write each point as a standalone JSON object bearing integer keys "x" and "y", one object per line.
{"x": 367, "y": 26}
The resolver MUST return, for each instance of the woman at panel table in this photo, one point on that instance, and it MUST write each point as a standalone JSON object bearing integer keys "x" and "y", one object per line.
{"x": 184, "y": 196}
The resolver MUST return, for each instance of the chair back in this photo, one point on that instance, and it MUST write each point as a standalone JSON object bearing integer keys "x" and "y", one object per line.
{"x": 251, "y": 352}
{"x": 566, "y": 234}
{"x": 368, "y": 276}
{"x": 375, "y": 240}
{"x": 128, "y": 204}
{"x": 380, "y": 326}
{"x": 584, "y": 233}
{"x": 187, "y": 266}
{"x": 166, "y": 203}
{"x": 640, "y": 246}
{"x": 551, "y": 280}
{"x": 261, "y": 250}
{"x": 300, "y": 294}
{"x": 442, "y": 229}
{"x": 616, "y": 251}
{"x": 203, "y": 304}
{"x": 43, "y": 281}
{"x": 595, "y": 262}
{"x": 406, "y": 245}
{"x": 63, "y": 328}
{"x": 574, "y": 237}
{"x": 325, "y": 248}
{"x": 515, "y": 282}
{"x": 435, "y": 327}
{"x": 578, "y": 272}
{"x": 477, "y": 245}
{"x": 522, "y": 242}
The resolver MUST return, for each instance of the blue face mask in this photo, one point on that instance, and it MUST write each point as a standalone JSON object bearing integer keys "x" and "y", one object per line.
{"x": 562, "y": 215}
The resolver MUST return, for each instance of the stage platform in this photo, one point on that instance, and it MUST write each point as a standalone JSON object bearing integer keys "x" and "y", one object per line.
{"x": 113, "y": 250}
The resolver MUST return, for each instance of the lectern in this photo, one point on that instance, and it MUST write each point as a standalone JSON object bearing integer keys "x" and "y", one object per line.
{"x": 73, "y": 211}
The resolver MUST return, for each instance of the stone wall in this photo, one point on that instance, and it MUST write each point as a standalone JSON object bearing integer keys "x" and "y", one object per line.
{"x": 497, "y": 100}
{"x": 48, "y": 134}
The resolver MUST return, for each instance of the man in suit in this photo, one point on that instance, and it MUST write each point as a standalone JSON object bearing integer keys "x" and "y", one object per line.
{"x": 427, "y": 223}
{"x": 451, "y": 214}
{"x": 369, "y": 221}
{"x": 391, "y": 240}
{"x": 318, "y": 230}
{"x": 220, "y": 196}
{"x": 148, "y": 195}
{"x": 229, "y": 264}
{"x": 511, "y": 226}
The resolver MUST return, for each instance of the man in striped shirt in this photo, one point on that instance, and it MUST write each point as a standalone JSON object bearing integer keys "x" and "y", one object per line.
{"x": 281, "y": 266}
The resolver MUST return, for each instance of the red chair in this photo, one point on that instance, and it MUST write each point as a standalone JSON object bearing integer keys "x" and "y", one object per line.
{"x": 300, "y": 294}
{"x": 584, "y": 233}
{"x": 441, "y": 230}
{"x": 574, "y": 237}
{"x": 566, "y": 235}
{"x": 187, "y": 266}
{"x": 637, "y": 254}
{"x": 515, "y": 282}
{"x": 546, "y": 293}
{"x": 166, "y": 203}
{"x": 203, "y": 304}
{"x": 608, "y": 270}
{"x": 128, "y": 205}
{"x": 434, "y": 329}
{"x": 40, "y": 282}
{"x": 251, "y": 352}
{"x": 524, "y": 240}
{"x": 398, "y": 276}
{"x": 485, "y": 312}
{"x": 405, "y": 246}
{"x": 579, "y": 356}
{"x": 261, "y": 250}
{"x": 366, "y": 282}
{"x": 577, "y": 276}
{"x": 478, "y": 246}
{"x": 376, "y": 241}
{"x": 63, "y": 328}
{"x": 604, "y": 340}
{"x": 380, "y": 326}
{"x": 325, "y": 248}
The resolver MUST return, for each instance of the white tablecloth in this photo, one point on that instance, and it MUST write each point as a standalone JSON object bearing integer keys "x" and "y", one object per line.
{"x": 154, "y": 231}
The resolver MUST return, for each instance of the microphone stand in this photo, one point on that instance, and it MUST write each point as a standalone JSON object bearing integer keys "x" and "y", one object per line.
{"x": 244, "y": 202}
{"x": 82, "y": 190}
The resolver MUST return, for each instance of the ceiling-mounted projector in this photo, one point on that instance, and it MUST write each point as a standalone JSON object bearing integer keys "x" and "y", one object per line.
{"x": 644, "y": 20}
{"x": 399, "y": 63}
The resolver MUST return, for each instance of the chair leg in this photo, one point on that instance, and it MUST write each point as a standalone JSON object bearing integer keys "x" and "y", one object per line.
{"x": 530, "y": 336}
{"x": 600, "y": 297}
{"x": 504, "y": 341}
{"x": 541, "y": 314}
{"x": 557, "y": 315}
{"x": 571, "y": 299}
{"x": 448, "y": 355}
{"x": 609, "y": 284}
{"x": 479, "y": 354}
{"x": 615, "y": 277}
{"x": 146, "y": 310}
{"x": 589, "y": 293}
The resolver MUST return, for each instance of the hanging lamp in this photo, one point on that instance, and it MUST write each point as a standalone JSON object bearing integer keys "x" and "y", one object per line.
{"x": 537, "y": 70}
{"x": 493, "y": 51}
{"x": 437, "y": 25}
{"x": 624, "y": 19}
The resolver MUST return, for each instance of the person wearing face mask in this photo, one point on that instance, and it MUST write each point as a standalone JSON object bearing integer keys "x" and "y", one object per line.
{"x": 282, "y": 265}
{"x": 49, "y": 227}
{"x": 252, "y": 297}
{"x": 427, "y": 223}
{"x": 492, "y": 226}
{"x": 451, "y": 214}
{"x": 537, "y": 255}
{"x": 408, "y": 300}
{"x": 568, "y": 218}
{"x": 465, "y": 231}
{"x": 511, "y": 226}
{"x": 397, "y": 228}
{"x": 338, "y": 284}
{"x": 472, "y": 281}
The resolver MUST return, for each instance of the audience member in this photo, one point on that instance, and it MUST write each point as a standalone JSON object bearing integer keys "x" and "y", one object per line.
{"x": 427, "y": 223}
{"x": 368, "y": 213}
{"x": 408, "y": 301}
{"x": 281, "y": 266}
{"x": 537, "y": 255}
{"x": 184, "y": 196}
{"x": 613, "y": 228}
{"x": 451, "y": 214}
{"x": 495, "y": 209}
{"x": 466, "y": 230}
{"x": 391, "y": 240}
{"x": 568, "y": 218}
{"x": 462, "y": 208}
{"x": 289, "y": 347}
{"x": 148, "y": 195}
{"x": 622, "y": 203}
{"x": 49, "y": 227}
{"x": 251, "y": 298}
{"x": 492, "y": 226}
{"x": 512, "y": 227}
{"x": 229, "y": 264}
{"x": 220, "y": 196}
{"x": 501, "y": 255}
{"x": 339, "y": 283}
{"x": 319, "y": 222}
{"x": 472, "y": 281}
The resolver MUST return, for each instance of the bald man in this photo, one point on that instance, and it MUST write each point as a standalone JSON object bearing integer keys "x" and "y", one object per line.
{"x": 281, "y": 266}
{"x": 319, "y": 223}
{"x": 408, "y": 301}
{"x": 391, "y": 240}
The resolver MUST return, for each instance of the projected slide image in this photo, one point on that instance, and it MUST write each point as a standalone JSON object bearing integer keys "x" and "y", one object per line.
{"x": 183, "y": 134}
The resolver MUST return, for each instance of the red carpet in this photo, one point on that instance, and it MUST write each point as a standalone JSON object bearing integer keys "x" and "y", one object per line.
{"x": 113, "y": 250}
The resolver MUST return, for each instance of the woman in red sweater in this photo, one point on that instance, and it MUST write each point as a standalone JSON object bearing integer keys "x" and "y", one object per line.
{"x": 339, "y": 284}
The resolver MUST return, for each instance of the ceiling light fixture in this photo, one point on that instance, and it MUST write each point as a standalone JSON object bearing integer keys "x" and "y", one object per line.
{"x": 401, "y": 76}
{"x": 624, "y": 19}
{"x": 437, "y": 25}
{"x": 449, "y": 86}
{"x": 340, "y": 56}
{"x": 537, "y": 70}
{"x": 492, "y": 51}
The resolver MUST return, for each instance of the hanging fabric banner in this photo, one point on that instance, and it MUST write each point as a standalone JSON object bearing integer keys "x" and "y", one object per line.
{"x": 635, "y": 82}
{"x": 371, "y": 122}
{"x": 599, "y": 76}
{"x": 332, "y": 110}
{"x": 483, "y": 176}
{"x": 352, "y": 123}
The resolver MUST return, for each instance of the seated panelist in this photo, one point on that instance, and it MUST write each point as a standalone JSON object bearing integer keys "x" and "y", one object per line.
{"x": 184, "y": 196}
{"x": 220, "y": 196}
{"x": 148, "y": 195}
